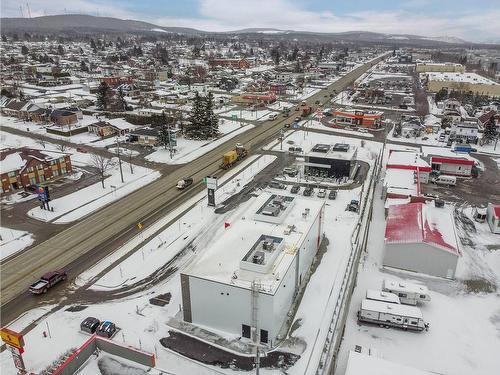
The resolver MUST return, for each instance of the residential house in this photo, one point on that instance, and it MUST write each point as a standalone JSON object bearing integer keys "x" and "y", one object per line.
{"x": 23, "y": 167}
{"x": 145, "y": 136}
{"x": 464, "y": 132}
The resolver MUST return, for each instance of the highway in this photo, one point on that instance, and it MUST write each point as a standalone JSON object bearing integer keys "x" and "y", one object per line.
{"x": 103, "y": 231}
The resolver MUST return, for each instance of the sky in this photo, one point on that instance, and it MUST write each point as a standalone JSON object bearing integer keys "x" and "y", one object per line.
{"x": 473, "y": 20}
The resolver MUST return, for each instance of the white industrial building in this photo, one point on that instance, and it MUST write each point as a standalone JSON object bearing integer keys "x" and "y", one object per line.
{"x": 250, "y": 276}
{"x": 421, "y": 238}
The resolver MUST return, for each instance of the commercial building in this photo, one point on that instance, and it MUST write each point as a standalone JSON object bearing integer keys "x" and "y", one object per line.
{"x": 327, "y": 161}
{"x": 421, "y": 238}
{"x": 250, "y": 275}
{"x": 24, "y": 167}
{"x": 368, "y": 119}
{"x": 439, "y": 67}
{"x": 455, "y": 166}
{"x": 465, "y": 82}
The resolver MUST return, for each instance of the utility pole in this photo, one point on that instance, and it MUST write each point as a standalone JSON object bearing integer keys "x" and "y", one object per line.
{"x": 119, "y": 158}
{"x": 255, "y": 324}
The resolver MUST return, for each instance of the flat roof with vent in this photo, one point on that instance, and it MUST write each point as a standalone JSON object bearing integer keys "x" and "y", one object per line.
{"x": 338, "y": 151}
{"x": 251, "y": 249}
{"x": 275, "y": 209}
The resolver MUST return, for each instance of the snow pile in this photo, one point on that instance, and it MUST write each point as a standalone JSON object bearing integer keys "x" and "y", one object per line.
{"x": 13, "y": 241}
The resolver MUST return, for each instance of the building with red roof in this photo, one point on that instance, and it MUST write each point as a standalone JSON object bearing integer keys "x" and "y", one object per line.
{"x": 421, "y": 238}
{"x": 455, "y": 166}
{"x": 493, "y": 217}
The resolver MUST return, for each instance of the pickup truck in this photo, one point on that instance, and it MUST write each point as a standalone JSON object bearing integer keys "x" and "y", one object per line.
{"x": 47, "y": 281}
{"x": 184, "y": 183}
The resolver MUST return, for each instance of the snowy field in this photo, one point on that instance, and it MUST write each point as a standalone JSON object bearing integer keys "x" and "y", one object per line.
{"x": 13, "y": 241}
{"x": 189, "y": 149}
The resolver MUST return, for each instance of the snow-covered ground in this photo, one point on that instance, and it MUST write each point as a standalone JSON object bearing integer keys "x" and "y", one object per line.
{"x": 13, "y": 241}
{"x": 83, "y": 202}
{"x": 464, "y": 327}
{"x": 318, "y": 125}
{"x": 161, "y": 249}
{"x": 245, "y": 114}
{"x": 141, "y": 323}
{"x": 189, "y": 149}
{"x": 82, "y": 138}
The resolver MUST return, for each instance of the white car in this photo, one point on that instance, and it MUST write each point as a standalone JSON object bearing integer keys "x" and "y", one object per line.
{"x": 363, "y": 130}
{"x": 322, "y": 193}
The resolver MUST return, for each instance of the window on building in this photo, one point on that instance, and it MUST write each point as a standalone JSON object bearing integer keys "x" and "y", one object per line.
{"x": 55, "y": 173}
{"x": 264, "y": 336}
{"x": 63, "y": 170}
{"x": 40, "y": 166}
{"x": 41, "y": 177}
{"x": 422, "y": 296}
{"x": 33, "y": 181}
{"x": 245, "y": 331}
{"x": 12, "y": 174}
{"x": 402, "y": 295}
{"x": 31, "y": 169}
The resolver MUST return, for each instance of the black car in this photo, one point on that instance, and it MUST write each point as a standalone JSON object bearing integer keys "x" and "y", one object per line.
{"x": 90, "y": 325}
{"x": 295, "y": 189}
{"x": 332, "y": 194}
{"x": 106, "y": 329}
{"x": 308, "y": 191}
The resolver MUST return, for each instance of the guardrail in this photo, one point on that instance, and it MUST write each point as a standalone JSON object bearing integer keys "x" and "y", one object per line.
{"x": 359, "y": 240}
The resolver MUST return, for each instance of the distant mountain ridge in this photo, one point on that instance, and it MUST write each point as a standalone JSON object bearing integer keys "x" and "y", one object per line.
{"x": 81, "y": 22}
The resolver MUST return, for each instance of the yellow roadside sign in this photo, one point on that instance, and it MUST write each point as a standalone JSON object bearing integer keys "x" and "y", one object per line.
{"x": 11, "y": 337}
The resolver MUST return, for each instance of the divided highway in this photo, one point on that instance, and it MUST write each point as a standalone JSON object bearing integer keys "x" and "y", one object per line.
{"x": 95, "y": 235}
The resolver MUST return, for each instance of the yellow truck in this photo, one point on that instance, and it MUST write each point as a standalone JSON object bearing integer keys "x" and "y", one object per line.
{"x": 233, "y": 156}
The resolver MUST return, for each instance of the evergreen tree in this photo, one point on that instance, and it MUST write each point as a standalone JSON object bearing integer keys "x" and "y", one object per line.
{"x": 24, "y": 50}
{"x": 103, "y": 96}
{"x": 164, "y": 135}
{"x": 60, "y": 50}
{"x": 210, "y": 119}
{"x": 490, "y": 132}
{"x": 195, "y": 120}
{"x": 4, "y": 38}
{"x": 121, "y": 98}
{"x": 84, "y": 67}
{"x": 93, "y": 45}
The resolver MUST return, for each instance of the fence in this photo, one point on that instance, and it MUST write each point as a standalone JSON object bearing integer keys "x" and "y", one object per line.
{"x": 359, "y": 239}
{"x": 82, "y": 354}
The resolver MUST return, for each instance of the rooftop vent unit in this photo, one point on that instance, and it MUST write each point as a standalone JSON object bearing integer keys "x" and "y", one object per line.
{"x": 268, "y": 245}
{"x": 321, "y": 148}
{"x": 271, "y": 210}
{"x": 342, "y": 147}
{"x": 258, "y": 257}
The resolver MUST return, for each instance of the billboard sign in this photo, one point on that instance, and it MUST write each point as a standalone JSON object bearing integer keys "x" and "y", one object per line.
{"x": 12, "y": 338}
{"x": 43, "y": 193}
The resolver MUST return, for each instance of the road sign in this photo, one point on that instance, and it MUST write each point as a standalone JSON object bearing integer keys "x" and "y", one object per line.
{"x": 43, "y": 193}
{"x": 211, "y": 182}
{"x": 12, "y": 338}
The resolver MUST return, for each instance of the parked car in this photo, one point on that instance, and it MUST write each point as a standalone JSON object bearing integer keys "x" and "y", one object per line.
{"x": 286, "y": 126}
{"x": 295, "y": 189}
{"x": 184, "y": 183}
{"x": 272, "y": 116}
{"x": 317, "y": 102}
{"x": 47, "y": 281}
{"x": 322, "y": 193}
{"x": 303, "y": 103}
{"x": 332, "y": 194}
{"x": 292, "y": 172}
{"x": 295, "y": 149}
{"x": 308, "y": 191}
{"x": 353, "y": 206}
{"x": 297, "y": 119}
{"x": 363, "y": 130}
{"x": 90, "y": 325}
{"x": 106, "y": 329}
{"x": 82, "y": 150}
{"x": 297, "y": 108}
{"x": 277, "y": 185}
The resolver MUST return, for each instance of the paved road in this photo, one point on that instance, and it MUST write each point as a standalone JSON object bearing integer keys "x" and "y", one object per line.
{"x": 98, "y": 234}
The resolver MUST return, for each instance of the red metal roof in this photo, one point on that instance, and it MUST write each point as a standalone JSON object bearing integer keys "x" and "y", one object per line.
{"x": 445, "y": 160}
{"x": 421, "y": 223}
{"x": 409, "y": 167}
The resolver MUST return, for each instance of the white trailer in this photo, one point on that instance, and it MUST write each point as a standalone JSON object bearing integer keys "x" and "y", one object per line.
{"x": 408, "y": 293}
{"x": 391, "y": 315}
{"x": 377, "y": 295}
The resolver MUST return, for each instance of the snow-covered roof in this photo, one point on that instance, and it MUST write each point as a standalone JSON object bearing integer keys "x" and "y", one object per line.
{"x": 460, "y": 77}
{"x": 421, "y": 223}
{"x": 403, "y": 286}
{"x": 407, "y": 160}
{"x": 12, "y": 162}
{"x": 391, "y": 308}
{"x": 400, "y": 182}
{"x": 220, "y": 261}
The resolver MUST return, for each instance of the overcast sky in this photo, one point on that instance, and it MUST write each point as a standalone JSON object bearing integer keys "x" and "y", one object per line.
{"x": 474, "y": 20}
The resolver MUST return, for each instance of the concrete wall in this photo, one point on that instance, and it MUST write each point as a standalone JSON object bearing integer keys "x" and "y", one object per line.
{"x": 420, "y": 257}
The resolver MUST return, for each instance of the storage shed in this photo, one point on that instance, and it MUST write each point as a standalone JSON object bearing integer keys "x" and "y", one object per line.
{"x": 421, "y": 238}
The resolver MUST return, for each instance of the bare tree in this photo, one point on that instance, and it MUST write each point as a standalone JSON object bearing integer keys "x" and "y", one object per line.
{"x": 130, "y": 154}
{"x": 41, "y": 142}
{"x": 102, "y": 164}
{"x": 62, "y": 147}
